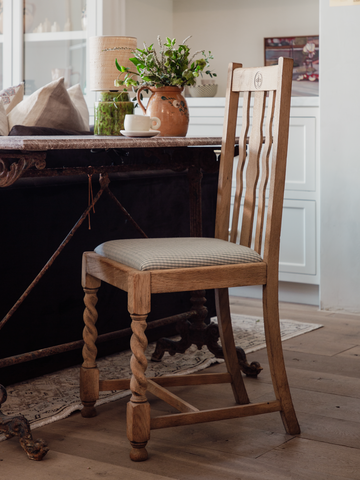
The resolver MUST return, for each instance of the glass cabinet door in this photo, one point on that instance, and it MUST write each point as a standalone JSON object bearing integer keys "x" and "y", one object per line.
{"x": 1, "y": 59}
{"x": 55, "y": 33}
{"x": 42, "y": 40}
{"x": 5, "y": 44}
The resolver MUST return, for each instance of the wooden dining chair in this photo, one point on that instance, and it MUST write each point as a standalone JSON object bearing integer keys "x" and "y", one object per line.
{"x": 144, "y": 266}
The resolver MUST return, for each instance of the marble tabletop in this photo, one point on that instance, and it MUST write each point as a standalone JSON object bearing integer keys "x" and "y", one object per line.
{"x": 44, "y": 143}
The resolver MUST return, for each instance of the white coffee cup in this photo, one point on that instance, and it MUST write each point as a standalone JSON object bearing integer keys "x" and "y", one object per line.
{"x": 140, "y": 123}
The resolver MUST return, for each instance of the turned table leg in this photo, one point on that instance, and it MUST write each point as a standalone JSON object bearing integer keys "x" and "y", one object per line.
{"x": 196, "y": 332}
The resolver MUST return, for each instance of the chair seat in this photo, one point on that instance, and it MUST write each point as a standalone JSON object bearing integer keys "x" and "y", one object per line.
{"x": 167, "y": 253}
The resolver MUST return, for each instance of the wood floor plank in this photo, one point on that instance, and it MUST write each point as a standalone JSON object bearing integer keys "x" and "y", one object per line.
{"x": 322, "y": 342}
{"x": 342, "y": 364}
{"x": 332, "y": 430}
{"x": 315, "y": 379}
{"x": 327, "y": 405}
{"x": 60, "y": 466}
{"x": 203, "y": 464}
{"x": 320, "y": 458}
{"x": 352, "y": 353}
{"x": 325, "y": 383}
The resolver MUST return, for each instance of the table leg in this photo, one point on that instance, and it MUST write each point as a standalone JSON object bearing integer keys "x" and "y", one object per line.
{"x": 18, "y": 425}
{"x": 195, "y": 331}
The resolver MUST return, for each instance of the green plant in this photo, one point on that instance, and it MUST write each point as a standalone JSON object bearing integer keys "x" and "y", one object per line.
{"x": 170, "y": 67}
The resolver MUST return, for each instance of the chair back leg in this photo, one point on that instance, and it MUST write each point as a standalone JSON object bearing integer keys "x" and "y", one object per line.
{"x": 228, "y": 344}
{"x": 276, "y": 357}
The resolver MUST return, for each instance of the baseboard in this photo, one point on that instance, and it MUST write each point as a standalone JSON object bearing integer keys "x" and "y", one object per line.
{"x": 288, "y": 292}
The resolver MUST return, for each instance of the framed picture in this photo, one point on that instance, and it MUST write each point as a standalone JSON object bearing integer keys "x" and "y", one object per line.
{"x": 305, "y": 53}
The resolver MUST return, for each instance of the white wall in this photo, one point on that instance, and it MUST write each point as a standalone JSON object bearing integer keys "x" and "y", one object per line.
{"x": 340, "y": 157}
{"x": 234, "y": 30}
{"x": 144, "y": 19}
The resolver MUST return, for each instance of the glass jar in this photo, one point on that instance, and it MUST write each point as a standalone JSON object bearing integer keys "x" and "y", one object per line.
{"x": 110, "y": 111}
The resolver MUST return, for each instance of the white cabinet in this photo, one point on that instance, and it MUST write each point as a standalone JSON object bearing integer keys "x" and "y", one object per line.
{"x": 299, "y": 248}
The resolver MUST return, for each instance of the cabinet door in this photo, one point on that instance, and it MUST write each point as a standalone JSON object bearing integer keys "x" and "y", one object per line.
{"x": 301, "y": 160}
{"x": 49, "y": 40}
{"x": 6, "y": 58}
{"x": 54, "y": 42}
{"x": 298, "y": 240}
{"x": 300, "y": 173}
{"x": 2, "y": 69}
{"x": 297, "y": 261}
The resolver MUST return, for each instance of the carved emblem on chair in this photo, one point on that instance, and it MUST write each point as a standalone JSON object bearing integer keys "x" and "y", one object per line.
{"x": 258, "y": 80}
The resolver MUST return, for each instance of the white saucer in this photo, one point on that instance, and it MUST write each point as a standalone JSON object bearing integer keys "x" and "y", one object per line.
{"x": 130, "y": 133}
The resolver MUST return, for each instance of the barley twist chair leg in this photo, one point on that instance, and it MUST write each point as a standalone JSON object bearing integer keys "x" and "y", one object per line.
{"x": 138, "y": 408}
{"x": 89, "y": 373}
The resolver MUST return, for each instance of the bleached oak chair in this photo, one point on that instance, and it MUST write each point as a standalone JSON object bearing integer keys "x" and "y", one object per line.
{"x": 142, "y": 267}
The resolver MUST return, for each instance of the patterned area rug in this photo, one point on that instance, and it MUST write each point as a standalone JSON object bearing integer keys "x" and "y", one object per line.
{"x": 55, "y": 396}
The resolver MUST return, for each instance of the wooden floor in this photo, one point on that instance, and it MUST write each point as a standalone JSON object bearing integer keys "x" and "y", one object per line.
{"x": 324, "y": 374}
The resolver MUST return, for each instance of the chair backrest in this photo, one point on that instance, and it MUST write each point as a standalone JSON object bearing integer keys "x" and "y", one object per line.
{"x": 263, "y": 142}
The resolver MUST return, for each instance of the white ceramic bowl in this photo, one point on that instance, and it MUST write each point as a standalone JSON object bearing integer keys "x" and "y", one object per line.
{"x": 203, "y": 90}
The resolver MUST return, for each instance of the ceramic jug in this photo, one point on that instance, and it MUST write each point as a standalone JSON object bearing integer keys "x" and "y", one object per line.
{"x": 169, "y": 105}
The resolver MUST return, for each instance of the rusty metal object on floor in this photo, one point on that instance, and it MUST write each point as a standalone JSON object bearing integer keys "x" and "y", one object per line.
{"x": 194, "y": 331}
{"x": 13, "y": 426}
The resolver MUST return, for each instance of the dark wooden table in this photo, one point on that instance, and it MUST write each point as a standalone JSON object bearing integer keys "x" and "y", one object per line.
{"x": 32, "y": 156}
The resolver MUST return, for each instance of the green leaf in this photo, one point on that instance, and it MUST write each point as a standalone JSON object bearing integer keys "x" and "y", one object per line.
{"x": 120, "y": 67}
{"x": 136, "y": 62}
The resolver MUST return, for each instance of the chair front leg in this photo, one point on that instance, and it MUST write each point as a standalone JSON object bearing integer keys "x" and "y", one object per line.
{"x": 138, "y": 408}
{"x": 89, "y": 373}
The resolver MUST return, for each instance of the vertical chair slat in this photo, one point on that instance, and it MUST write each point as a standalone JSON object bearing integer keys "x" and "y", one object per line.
{"x": 227, "y": 157}
{"x": 278, "y": 165}
{"x": 252, "y": 172}
{"x": 264, "y": 172}
{"x": 240, "y": 166}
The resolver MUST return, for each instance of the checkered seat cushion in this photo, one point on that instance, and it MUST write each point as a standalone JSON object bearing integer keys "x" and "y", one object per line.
{"x": 164, "y": 253}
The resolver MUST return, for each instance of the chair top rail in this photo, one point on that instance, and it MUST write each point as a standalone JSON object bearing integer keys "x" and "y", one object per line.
{"x": 255, "y": 79}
